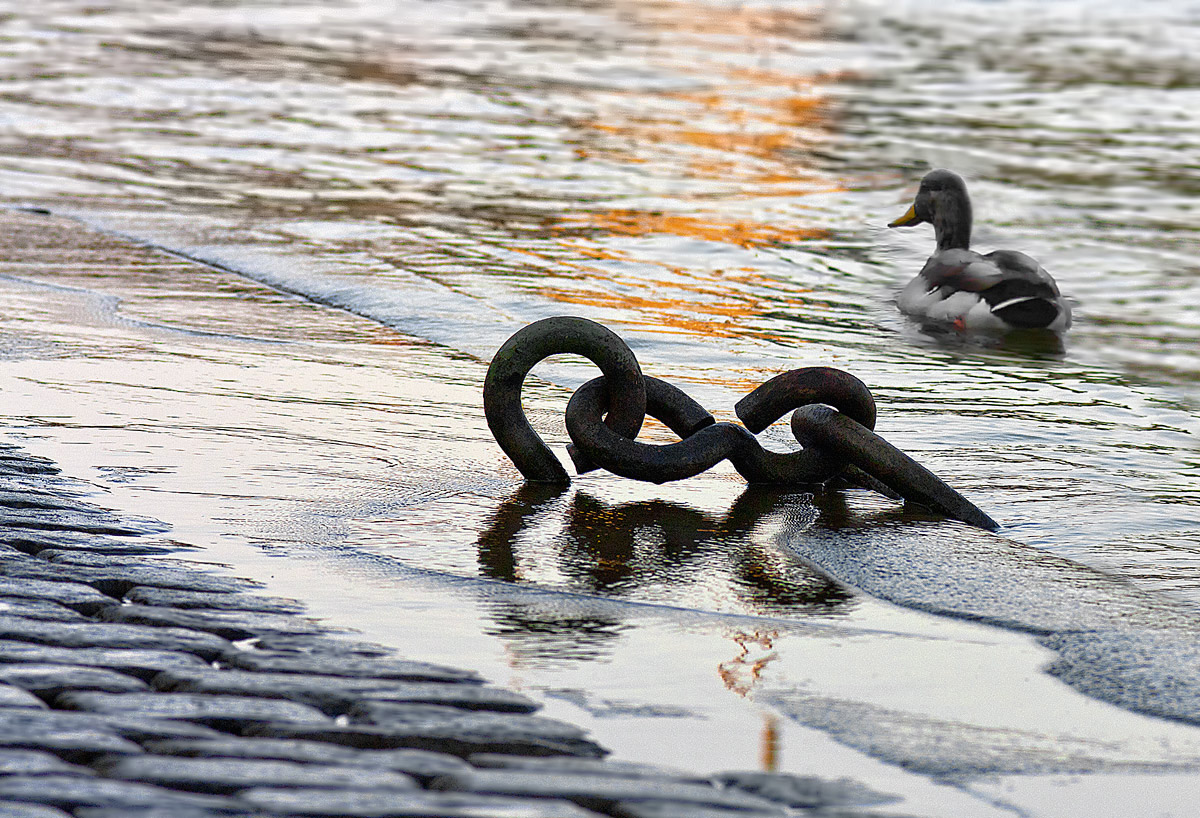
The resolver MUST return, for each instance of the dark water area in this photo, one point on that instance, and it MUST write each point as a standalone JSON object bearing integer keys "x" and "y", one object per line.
{"x": 381, "y": 193}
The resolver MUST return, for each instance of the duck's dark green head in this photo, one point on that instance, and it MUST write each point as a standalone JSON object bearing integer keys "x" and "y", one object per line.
{"x": 943, "y": 202}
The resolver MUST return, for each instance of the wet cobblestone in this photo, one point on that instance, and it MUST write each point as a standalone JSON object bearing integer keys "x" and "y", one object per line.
{"x": 134, "y": 685}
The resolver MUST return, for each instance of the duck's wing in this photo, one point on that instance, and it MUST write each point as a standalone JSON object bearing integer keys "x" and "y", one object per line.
{"x": 961, "y": 270}
{"x": 1010, "y": 285}
{"x": 1017, "y": 266}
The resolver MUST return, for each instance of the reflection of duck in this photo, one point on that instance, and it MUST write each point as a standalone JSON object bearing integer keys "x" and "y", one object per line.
{"x": 1002, "y": 290}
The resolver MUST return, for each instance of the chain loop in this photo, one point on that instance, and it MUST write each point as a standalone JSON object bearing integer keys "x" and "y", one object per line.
{"x": 833, "y": 414}
{"x": 788, "y": 391}
{"x": 524, "y": 350}
{"x": 697, "y": 452}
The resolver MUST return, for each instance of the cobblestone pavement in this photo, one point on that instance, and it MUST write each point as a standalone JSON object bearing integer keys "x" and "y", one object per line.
{"x": 137, "y": 685}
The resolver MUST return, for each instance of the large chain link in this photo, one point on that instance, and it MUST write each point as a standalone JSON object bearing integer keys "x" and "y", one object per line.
{"x": 833, "y": 415}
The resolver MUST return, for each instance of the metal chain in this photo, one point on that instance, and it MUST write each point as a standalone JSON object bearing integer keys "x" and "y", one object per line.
{"x": 833, "y": 415}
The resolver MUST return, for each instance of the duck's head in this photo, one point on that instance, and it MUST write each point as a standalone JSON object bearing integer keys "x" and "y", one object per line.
{"x": 943, "y": 202}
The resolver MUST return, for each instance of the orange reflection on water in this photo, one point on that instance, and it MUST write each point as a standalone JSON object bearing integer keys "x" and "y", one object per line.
{"x": 770, "y": 744}
{"x": 728, "y": 231}
{"x": 669, "y": 299}
{"x": 728, "y": 160}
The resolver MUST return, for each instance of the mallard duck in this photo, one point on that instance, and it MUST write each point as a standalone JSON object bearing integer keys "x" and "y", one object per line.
{"x": 1002, "y": 290}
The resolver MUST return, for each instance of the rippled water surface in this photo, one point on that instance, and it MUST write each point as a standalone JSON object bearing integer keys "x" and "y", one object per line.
{"x": 342, "y": 210}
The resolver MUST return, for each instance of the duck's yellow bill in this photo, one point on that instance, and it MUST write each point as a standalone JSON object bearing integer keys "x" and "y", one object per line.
{"x": 909, "y": 217}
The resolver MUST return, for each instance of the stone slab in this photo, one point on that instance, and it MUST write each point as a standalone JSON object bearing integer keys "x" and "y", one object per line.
{"x": 14, "y": 809}
{"x": 132, "y": 726}
{"x": 375, "y": 804}
{"x": 75, "y": 595}
{"x": 421, "y": 764}
{"x": 175, "y": 598}
{"x": 15, "y": 696}
{"x": 15, "y": 461}
{"x": 32, "y": 541}
{"x": 337, "y": 694}
{"x": 70, "y": 742}
{"x": 117, "y": 580}
{"x": 234, "y": 625}
{"x": 229, "y": 712}
{"x": 172, "y": 812}
{"x": 108, "y": 635}
{"x": 566, "y": 764}
{"x": 81, "y": 518}
{"x": 36, "y": 762}
{"x": 677, "y": 809}
{"x": 803, "y": 791}
{"x": 227, "y": 776}
{"x": 40, "y": 483}
{"x": 446, "y": 736}
{"x": 70, "y": 791}
{"x": 601, "y": 791}
{"x": 342, "y": 665}
{"x": 435, "y": 717}
{"x": 11, "y": 497}
{"x": 43, "y": 609}
{"x": 326, "y": 644}
{"x": 142, "y": 664}
{"x": 48, "y": 680}
{"x": 91, "y": 559}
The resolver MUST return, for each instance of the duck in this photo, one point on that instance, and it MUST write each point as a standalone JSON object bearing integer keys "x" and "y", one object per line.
{"x": 1000, "y": 291}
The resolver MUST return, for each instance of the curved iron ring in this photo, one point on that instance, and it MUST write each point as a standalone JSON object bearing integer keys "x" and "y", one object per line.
{"x": 703, "y": 445}
{"x": 526, "y": 348}
{"x": 780, "y": 395}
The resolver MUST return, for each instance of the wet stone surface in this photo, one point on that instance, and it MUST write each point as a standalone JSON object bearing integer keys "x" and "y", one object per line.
{"x": 232, "y": 625}
{"x": 45, "y": 610}
{"x": 37, "y": 762}
{"x": 652, "y": 808}
{"x": 227, "y": 712}
{"x": 221, "y": 775}
{"x": 804, "y": 791}
{"x": 13, "y": 696}
{"x": 139, "y": 686}
{"x": 421, "y": 764}
{"x": 140, "y": 664}
{"x": 15, "y": 809}
{"x": 74, "y": 791}
{"x": 106, "y": 635}
{"x": 48, "y": 681}
{"x": 350, "y": 666}
{"x": 75, "y": 595}
{"x": 186, "y": 600}
{"x": 567, "y": 764}
{"x": 441, "y": 736}
{"x": 166, "y": 812}
{"x": 336, "y": 694}
{"x": 116, "y": 580}
{"x": 369, "y": 804}
{"x": 602, "y": 791}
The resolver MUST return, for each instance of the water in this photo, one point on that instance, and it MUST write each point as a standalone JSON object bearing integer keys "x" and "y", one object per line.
{"x": 383, "y": 192}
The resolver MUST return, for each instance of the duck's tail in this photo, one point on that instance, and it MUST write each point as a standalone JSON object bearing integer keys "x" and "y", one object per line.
{"x": 1027, "y": 304}
{"x": 1027, "y": 312}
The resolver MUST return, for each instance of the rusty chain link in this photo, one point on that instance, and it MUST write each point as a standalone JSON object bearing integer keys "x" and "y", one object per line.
{"x": 833, "y": 415}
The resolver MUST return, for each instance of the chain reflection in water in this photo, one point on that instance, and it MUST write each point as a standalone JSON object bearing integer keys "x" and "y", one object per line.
{"x": 622, "y": 550}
